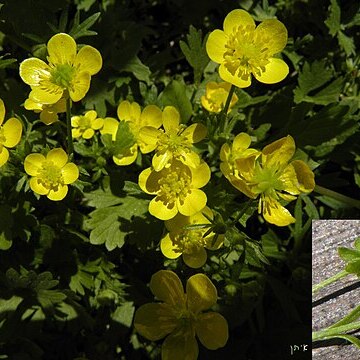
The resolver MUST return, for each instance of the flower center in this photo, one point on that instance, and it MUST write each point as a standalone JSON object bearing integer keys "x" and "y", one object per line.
{"x": 266, "y": 180}
{"x": 84, "y": 123}
{"x": 62, "y": 75}
{"x": 189, "y": 241}
{"x": 246, "y": 51}
{"x": 175, "y": 184}
{"x": 50, "y": 175}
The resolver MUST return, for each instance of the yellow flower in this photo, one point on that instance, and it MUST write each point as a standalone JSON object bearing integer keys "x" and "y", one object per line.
{"x": 215, "y": 96}
{"x": 175, "y": 141}
{"x": 110, "y": 127}
{"x": 51, "y": 174}
{"x": 272, "y": 176}
{"x": 181, "y": 317}
{"x": 150, "y": 117}
{"x": 243, "y": 49}
{"x": 177, "y": 189}
{"x": 67, "y": 71}
{"x": 85, "y": 125}
{"x": 190, "y": 243}
{"x": 48, "y": 113}
{"x": 10, "y": 134}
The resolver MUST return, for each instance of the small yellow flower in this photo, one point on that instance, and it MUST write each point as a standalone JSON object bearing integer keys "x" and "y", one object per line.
{"x": 180, "y": 317}
{"x": 85, "y": 125}
{"x": 175, "y": 141}
{"x": 243, "y": 49}
{"x": 150, "y": 117}
{"x": 51, "y": 175}
{"x": 190, "y": 243}
{"x": 10, "y": 134}
{"x": 177, "y": 189}
{"x": 68, "y": 70}
{"x": 48, "y": 113}
{"x": 273, "y": 176}
{"x": 216, "y": 95}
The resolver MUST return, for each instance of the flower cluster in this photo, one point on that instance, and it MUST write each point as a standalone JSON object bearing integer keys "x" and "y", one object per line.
{"x": 268, "y": 174}
{"x": 180, "y": 317}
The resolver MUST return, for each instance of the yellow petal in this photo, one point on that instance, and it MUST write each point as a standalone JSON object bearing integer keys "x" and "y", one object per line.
{"x": 88, "y": 134}
{"x": 129, "y": 111}
{"x": 215, "y": 46}
{"x": 58, "y": 194}
{"x": 305, "y": 176}
{"x": 110, "y": 127}
{"x": 238, "y": 17}
{"x": 48, "y": 117}
{"x": 76, "y": 133}
{"x": 80, "y": 86}
{"x": 170, "y": 119}
{"x": 162, "y": 209}
{"x": 2, "y": 111}
{"x": 58, "y": 156}
{"x": 4, "y": 156}
{"x": 151, "y": 116}
{"x": 212, "y": 330}
{"x": 148, "y": 181}
{"x": 200, "y": 175}
{"x": 12, "y": 130}
{"x": 160, "y": 160}
{"x": 37, "y": 187}
{"x": 275, "y": 71}
{"x": 225, "y": 152}
{"x": 75, "y": 121}
{"x": 193, "y": 203}
{"x": 278, "y": 152}
{"x": 201, "y": 293}
{"x": 97, "y": 124}
{"x": 149, "y": 135}
{"x": 62, "y": 49}
{"x": 88, "y": 59}
{"x": 70, "y": 173}
{"x": 33, "y": 70}
{"x": 241, "y": 142}
{"x": 275, "y": 213}
{"x": 195, "y": 259}
{"x": 127, "y": 157}
{"x": 180, "y": 345}
{"x": 33, "y": 163}
{"x": 167, "y": 287}
{"x": 168, "y": 248}
{"x": 47, "y": 94}
{"x": 154, "y": 321}
{"x": 241, "y": 185}
{"x": 275, "y": 31}
{"x": 195, "y": 132}
{"x": 233, "y": 79}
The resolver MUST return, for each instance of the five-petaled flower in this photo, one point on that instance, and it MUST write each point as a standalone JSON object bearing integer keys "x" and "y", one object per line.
{"x": 243, "y": 49}
{"x": 216, "y": 95}
{"x": 272, "y": 176}
{"x": 177, "y": 189}
{"x": 51, "y": 175}
{"x": 85, "y": 125}
{"x": 180, "y": 317}
{"x": 175, "y": 141}
{"x": 150, "y": 116}
{"x": 186, "y": 237}
{"x": 67, "y": 71}
{"x": 10, "y": 134}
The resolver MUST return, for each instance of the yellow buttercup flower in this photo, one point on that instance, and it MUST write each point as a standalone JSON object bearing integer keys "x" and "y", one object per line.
{"x": 190, "y": 242}
{"x": 68, "y": 71}
{"x": 177, "y": 189}
{"x": 273, "y": 176}
{"x": 243, "y": 49}
{"x": 10, "y": 134}
{"x": 180, "y": 317}
{"x": 150, "y": 116}
{"x": 48, "y": 113}
{"x": 85, "y": 125}
{"x": 175, "y": 141}
{"x": 216, "y": 95}
{"x": 52, "y": 174}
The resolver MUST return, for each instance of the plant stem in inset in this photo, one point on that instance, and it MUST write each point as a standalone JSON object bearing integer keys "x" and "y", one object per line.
{"x": 332, "y": 332}
{"x": 329, "y": 281}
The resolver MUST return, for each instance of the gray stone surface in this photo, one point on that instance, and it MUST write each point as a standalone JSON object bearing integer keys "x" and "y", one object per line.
{"x": 327, "y": 236}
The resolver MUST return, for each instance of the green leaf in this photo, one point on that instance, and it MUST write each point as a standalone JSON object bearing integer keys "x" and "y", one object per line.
{"x": 124, "y": 314}
{"x": 175, "y": 94}
{"x": 124, "y": 139}
{"x": 333, "y": 20}
{"x": 4, "y": 63}
{"x": 353, "y": 267}
{"x": 348, "y": 255}
{"x": 195, "y": 52}
{"x": 346, "y": 43}
{"x": 138, "y": 69}
{"x": 6, "y": 224}
{"x": 106, "y": 224}
{"x": 79, "y": 30}
{"x": 49, "y": 298}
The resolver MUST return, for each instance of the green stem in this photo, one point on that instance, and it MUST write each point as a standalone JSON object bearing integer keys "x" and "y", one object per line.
{"x": 335, "y": 195}
{"x": 226, "y": 107}
{"x": 242, "y": 211}
{"x": 332, "y": 332}
{"x": 70, "y": 145}
{"x": 329, "y": 281}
